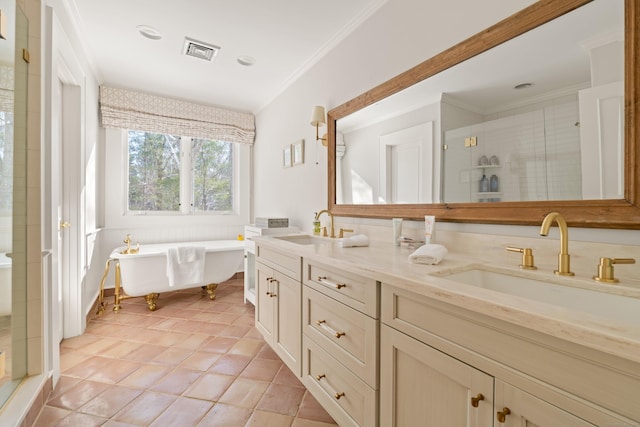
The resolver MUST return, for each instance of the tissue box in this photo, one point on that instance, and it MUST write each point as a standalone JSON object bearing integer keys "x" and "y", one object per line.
{"x": 272, "y": 222}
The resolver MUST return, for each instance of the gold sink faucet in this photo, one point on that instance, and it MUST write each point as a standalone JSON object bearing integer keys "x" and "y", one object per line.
{"x": 333, "y": 233}
{"x": 564, "y": 264}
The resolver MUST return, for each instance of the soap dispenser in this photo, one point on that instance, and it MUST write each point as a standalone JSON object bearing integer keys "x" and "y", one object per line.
{"x": 494, "y": 183}
{"x": 316, "y": 224}
{"x": 484, "y": 184}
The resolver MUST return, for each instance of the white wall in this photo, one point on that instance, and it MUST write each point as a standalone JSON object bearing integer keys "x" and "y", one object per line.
{"x": 401, "y": 34}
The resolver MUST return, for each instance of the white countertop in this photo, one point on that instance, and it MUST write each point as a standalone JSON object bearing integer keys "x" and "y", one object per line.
{"x": 390, "y": 264}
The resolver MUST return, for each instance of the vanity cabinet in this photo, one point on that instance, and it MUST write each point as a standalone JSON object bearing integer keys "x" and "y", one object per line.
{"x": 278, "y": 304}
{"x": 436, "y": 358}
{"x": 420, "y": 385}
{"x": 340, "y": 318}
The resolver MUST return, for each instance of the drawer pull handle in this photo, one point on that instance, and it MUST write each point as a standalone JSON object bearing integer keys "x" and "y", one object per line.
{"x": 475, "y": 401}
{"x": 502, "y": 415}
{"x": 335, "y": 393}
{"x": 323, "y": 280}
{"x": 323, "y": 324}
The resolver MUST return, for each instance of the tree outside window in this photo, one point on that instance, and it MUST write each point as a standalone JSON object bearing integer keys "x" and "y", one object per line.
{"x": 158, "y": 161}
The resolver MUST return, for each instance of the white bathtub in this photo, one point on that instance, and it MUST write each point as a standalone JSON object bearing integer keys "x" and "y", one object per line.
{"x": 145, "y": 273}
{"x": 5, "y": 285}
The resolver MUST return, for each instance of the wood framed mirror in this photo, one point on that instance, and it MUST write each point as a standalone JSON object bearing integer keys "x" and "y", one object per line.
{"x": 623, "y": 212}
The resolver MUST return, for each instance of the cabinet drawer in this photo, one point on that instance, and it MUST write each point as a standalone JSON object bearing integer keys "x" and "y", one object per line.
{"x": 288, "y": 264}
{"x": 349, "y": 335}
{"x": 356, "y": 291}
{"x": 346, "y": 397}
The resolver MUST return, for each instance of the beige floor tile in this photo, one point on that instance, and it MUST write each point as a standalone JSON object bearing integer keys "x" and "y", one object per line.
{"x": 172, "y": 356}
{"x": 200, "y": 360}
{"x": 209, "y": 387}
{"x": 268, "y": 419}
{"x": 176, "y": 382}
{"x": 110, "y": 401}
{"x": 90, "y": 366}
{"x": 310, "y": 409}
{"x": 218, "y": 344}
{"x": 301, "y": 422}
{"x": 145, "y": 408}
{"x": 183, "y": 412}
{"x": 76, "y": 419}
{"x": 225, "y": 416}
{"x": 194, "y": 341}
{"x": 244, "y": 392}
{"x": 49, "y": 416}
{"x": 146, "y": 376}
{"x": 247, "y": 347}
{"x": 282, "y": 399}
{"x": 230, "y": 364}
{"x": 115, "y": 371}
{"x": 262, "y": 369}
{"x": 193, "y": 362}
{"x": 78, "y": 395}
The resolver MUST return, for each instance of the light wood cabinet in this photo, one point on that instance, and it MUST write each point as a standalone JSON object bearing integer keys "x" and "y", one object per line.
{"x": 432, "y": 355}
{"x": 279, "y": 306}
{"x": 420, "y": 385}
{"x": 341, "y": 343}
{"x": 377, "y": 354}
{"x": 517, "y": 408}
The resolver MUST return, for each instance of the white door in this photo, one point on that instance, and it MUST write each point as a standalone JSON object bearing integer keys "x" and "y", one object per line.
{"x": 60, "y": 253}
{"x": 406, "y": 164}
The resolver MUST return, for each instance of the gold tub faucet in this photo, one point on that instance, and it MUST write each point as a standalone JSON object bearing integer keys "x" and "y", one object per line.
{"x": 333, "y": 233}
{"x": 564, "y": 263}
{"x": 130, "y": 250}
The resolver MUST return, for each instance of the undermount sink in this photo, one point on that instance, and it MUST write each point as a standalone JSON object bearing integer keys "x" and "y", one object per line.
{"x": 303, "y": 239}
{"x": 610, "y": 306}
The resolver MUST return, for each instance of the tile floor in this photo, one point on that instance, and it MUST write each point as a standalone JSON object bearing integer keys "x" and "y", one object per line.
{"x": 193, "y": 362}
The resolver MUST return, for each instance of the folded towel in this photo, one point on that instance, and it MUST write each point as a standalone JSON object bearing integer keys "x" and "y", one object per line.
{"x": 428, "y": 254}
{"x": 185, "y": 265}
{"x": 352, "y": 241}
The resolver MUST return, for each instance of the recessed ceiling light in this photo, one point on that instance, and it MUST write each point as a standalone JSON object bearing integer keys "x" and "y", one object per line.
{"x": 523, "y": 86}
{"x": 246, "y": 60}
{"x": 149, "y": 32}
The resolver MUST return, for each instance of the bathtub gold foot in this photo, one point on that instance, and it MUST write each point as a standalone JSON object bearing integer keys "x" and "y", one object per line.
{"x": 211, "y": 290}
{"x": 151, "y": 301}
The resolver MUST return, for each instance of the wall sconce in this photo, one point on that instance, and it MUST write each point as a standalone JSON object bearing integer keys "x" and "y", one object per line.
{"x": 318, "y": 120}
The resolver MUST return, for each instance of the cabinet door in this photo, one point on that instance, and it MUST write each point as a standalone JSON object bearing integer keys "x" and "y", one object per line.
{"x": 526, "y": 410}
{"x": 287, "y": 334}
{"x": 420, "y": 385}
{"x": 264, "y": 301}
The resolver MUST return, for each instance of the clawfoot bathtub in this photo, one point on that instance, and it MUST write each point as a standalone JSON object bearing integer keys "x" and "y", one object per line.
{"x": 143, "y": 272}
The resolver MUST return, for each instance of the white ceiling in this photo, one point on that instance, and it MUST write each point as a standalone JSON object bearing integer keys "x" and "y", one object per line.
{"x": 284, "y": 36}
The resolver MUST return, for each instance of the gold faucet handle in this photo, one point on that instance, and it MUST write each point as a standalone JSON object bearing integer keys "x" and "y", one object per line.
{"x": 344, "y": 230}
{"x": 605, "y": 269}
{"x": 527, "y": 257}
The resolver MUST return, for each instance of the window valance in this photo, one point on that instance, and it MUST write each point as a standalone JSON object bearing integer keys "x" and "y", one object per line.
{"x": 126, "y": 109}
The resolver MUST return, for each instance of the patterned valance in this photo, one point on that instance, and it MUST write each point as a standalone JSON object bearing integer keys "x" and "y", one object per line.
{"x": 125, "y": 109}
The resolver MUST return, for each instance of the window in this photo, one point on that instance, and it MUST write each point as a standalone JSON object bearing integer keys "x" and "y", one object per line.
{"x": 169, "y": 173}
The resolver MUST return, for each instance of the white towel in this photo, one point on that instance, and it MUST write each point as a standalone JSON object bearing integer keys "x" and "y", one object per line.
{"x": 353, "y": 241}
{"x": 428, "y": 254}
{"x": 185, "y": 265}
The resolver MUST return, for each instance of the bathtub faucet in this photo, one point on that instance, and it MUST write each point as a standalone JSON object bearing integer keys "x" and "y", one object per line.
{"x": 127, "y": 240}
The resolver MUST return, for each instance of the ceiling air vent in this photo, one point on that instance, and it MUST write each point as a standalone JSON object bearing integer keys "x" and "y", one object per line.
{"x": 199, "y": 49}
